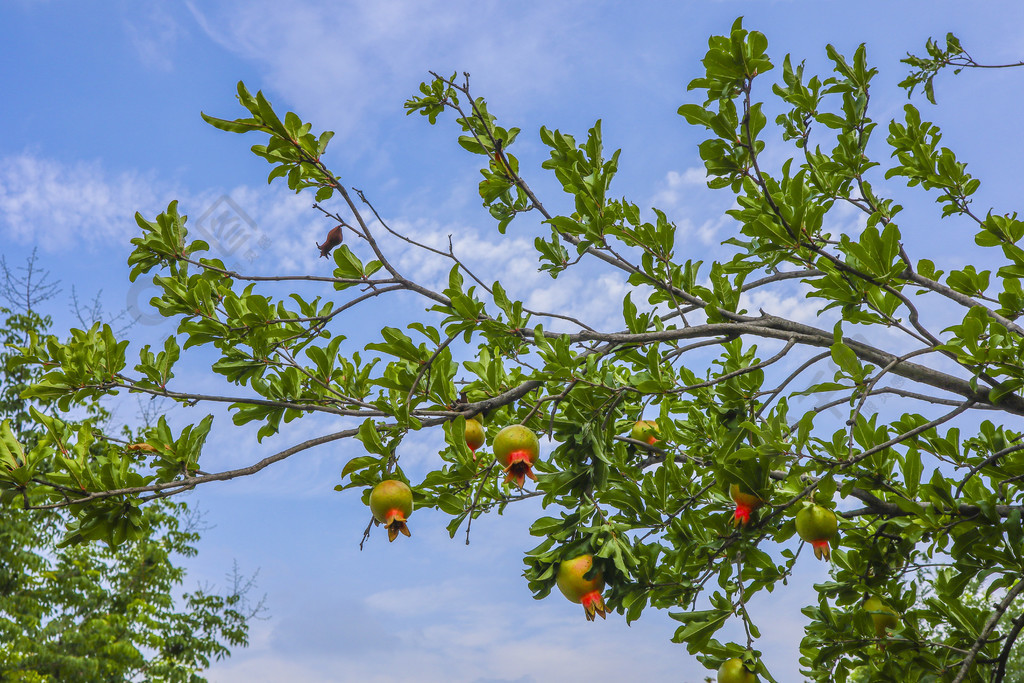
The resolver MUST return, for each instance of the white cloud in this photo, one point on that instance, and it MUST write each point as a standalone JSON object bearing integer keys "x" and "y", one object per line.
{"x": 458, "y": 629}
{"x": 60, "y": 207}
{"x": 153, "y": 33}
{"x": 785, "y": 302}
{"x": 489, "y": 259}
{"x": 707, "y": 232}
{"x": 699, "y": 213}
{"x": 677, "y": 185}
{"x": 268, "y": 669}
{"x": 845, "y": 219}
{"x": 414, "y": 601}
{"x": 338, "y": 63}
{"x": 595, "y": 299}
{"x": 590, "y": 292}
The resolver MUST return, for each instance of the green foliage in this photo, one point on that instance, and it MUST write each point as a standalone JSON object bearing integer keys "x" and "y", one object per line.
{"x": 933, "y": 480}
{"x": 926, "y": 68}
{"x": 92, "y": 613}
{"x": 72, "y": 611}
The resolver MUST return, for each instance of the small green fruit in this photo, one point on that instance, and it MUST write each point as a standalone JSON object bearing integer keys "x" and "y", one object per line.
{"x": 817, "y": 526}
{"x": 646, "y": 431}
{"x": 474, "y": 434}
{"x": 746, "y": 503}
{"x": 734, "y": 671}
{"x": 882, "y": 616}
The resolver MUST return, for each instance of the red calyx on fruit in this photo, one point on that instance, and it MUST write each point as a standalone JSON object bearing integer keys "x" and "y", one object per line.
{"x": 746, "y": 503}
{"x": 333, "y": 240}
{"x": 817, "y": 525}
{"x": 517, "y": 449}
{"x": 646, "y": 431}
{"x": 391, "y": 505}
{"x": 576, "y": 588}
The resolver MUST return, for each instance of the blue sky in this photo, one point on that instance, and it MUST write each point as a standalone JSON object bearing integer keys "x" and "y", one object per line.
{"x": 101, "y": 119}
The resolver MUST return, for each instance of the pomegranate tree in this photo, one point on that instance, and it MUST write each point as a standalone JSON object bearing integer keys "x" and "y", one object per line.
{"x": 937, "y": 473}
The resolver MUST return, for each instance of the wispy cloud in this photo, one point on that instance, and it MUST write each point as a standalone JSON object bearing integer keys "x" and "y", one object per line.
{"x": 678, "y": 185}
{"x": 590, "y": 292}
{"x": 458, "y": 629}
{"x": 65, "y": 206}
{"x": 154, "y": 32}
{"x": 784, "y": 301}
{"x": 338, "y": 62}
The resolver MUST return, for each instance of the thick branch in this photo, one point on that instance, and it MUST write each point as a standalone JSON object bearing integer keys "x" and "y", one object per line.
{"x": 190, "y": 482}
{"x": 773, "y": 327}
{"x": 877, "y": 506}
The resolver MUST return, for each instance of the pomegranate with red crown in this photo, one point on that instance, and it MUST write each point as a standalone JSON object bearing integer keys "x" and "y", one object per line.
{"x": 517, "y": 449}
{"x": 391, "y": 505}
{"x": 575, "y": 587}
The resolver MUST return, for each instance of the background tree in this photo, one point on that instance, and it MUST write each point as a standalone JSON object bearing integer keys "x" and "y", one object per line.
{"x": 909, "y": 490}
{"x": 90, "y": 612}
{"x": 976, "y": 597}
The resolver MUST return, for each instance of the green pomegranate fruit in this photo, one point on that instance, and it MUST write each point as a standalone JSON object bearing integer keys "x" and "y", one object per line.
{"x": 586, "y": 592}
{"x": 746, "y": 503}
{"x": 474, "y": 434}
{"x": 517, "y": 449}
{"x": 646, "y": 431}
{"x": 882, "y": 616}
{"x": 817, "y": 526}
{"x": 734, "y": 671}
{"x": 391, "y": 505}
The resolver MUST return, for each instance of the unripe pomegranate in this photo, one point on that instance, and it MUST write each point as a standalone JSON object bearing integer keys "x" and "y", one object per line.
{"x": 817, "y": 526}
{"x": 580, "y": 590}
{"x": 391, "y": 505}
{"x": 882, "y": 616}
{"x": 474, "y": 434}
{"x": 745, "y": 504}
{"x": 734, "y": 671}
{"x": 646, "y": 431}
{"x": 517, "y": 449}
